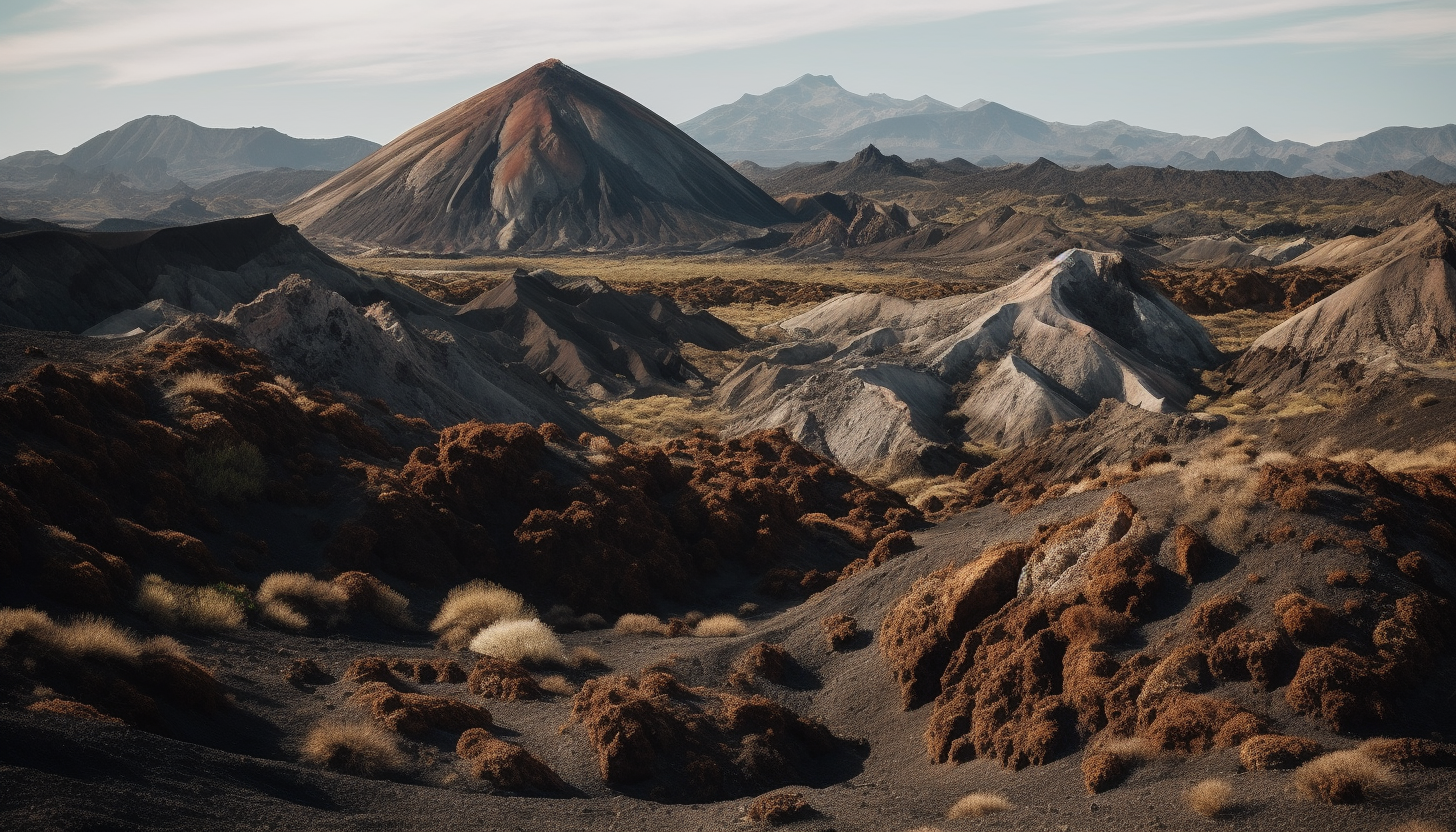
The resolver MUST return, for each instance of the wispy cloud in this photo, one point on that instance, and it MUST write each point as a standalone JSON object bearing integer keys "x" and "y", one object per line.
{"x": 149, "y": 40}
{"x": 1422, "y": 31}
{"x": 139, "y": 41}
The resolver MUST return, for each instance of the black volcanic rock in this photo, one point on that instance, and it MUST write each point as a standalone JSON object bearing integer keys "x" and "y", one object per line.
{"x": 65, "y": 280}
{"x": 548, "y": 160}
{"x": 585, "y": 336}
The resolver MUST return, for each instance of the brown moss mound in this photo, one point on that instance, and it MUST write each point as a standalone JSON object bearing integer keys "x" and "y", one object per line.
{"x": 1029, "y": 681}
{"x": 503, "y": 679}
{"x": 698, "y": 743}
{"x": 920, "y": 632}
{"x": 305, "y": 672}
{"x": 506, "y": 764}
{"x": 1305, "y": 619}
{"x": 1276, "y": 751}
{"x": 391, "y": 671}
{"x": 839, "y": 629}
{"x": 761, "y": 661}
{"x": 417, "y": 713}
{"x": 1193, "y": 724}
{"x": 1103, "y": 770}
{"x": 779, "y": 808}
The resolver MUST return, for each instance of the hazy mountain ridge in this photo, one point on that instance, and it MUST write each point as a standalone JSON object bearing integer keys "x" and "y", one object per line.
{"x": 833, "y": 123}
{"x": 160, "y": 151}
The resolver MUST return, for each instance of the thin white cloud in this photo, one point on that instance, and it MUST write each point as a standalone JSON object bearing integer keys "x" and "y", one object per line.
{"x": 149, "y": 40}
{"x": 140, "y": 41}
{"x": 1422, "y": 33}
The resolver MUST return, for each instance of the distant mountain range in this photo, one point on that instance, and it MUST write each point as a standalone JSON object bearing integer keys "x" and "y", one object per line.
{"x": 158, "y": 152}
{"x": 814, "y": 119}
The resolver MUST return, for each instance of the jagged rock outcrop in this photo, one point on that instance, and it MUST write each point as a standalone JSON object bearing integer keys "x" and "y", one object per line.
{"x": 874, "y": 381}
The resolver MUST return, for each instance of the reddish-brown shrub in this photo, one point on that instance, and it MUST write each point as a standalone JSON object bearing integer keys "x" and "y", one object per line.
{"x": 839, "y": 629}
{"x": 502, "y": 679}
{"x": 1217, "y": 615}
{"x": 417, "y": 713}
{"x": 506, "y": 764}
{"x": 761, "y": 661}
{"x": 306, "y": 672}
{"x": 1276, "y": 751}
{"x": 1338, "y": 686}
{"x": 779, "y": 808}
{"x": 1410, "y": 752}
{"x": 1193, "y": 724}
{"x": 1240, "y": 654}
{"x": 724, "y": 744}
{"x": 1102, "y": 771}
{"x": 924, "y": 627}
{"x": 1305, "y": 619}
{"x": 1190, "y": 552}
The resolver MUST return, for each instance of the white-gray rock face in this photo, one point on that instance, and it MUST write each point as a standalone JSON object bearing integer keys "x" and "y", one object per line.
{"x": 886, "y": 386}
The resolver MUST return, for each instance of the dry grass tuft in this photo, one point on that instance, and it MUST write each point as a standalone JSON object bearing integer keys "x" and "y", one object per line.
{"x": 978, "y": 804}
{"x": 527, "y": 642}
{"x": 558, "y": 685}
{"x": 354, "y": 748}
{"x": 722, "y": 625}
{"x": 1343, "y": 777}
{"x": 73, "y": 710}
{"x": 471, "y": 607}
{"x": 199, "y": 383}
{"x": 1211, "y": 797}
{"x": 293, "y": 601}
{"x": 657, "y": 418}
{"x": 367, "y": 592}
{"x": 585, "y": 658}
{"x": 201, "y": 608}
{"x": 1425, "y": 400}
{"x": 641, "y": 625}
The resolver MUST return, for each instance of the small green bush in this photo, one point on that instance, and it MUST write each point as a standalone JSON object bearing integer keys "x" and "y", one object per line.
{"x": 233, "y": 473}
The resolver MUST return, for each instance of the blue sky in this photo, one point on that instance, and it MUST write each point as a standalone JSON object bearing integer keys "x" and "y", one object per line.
{"x": 1311, "y": 70}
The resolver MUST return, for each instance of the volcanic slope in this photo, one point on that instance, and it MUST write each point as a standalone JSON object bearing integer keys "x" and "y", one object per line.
{"x": 547, "y": 160}
{"x": 887, "y": 386}
{"x": 1400, "y": 316}
{"x": 72, "y": 280}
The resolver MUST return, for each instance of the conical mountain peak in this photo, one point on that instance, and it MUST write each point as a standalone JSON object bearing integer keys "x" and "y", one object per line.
{"x": 548, "y": 159}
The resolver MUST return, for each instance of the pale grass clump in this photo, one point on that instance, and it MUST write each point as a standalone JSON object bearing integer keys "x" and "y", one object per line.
{"x": 24, "y": 621}
{"x": 85, "y": 637}
{"x": 1442, "y": 455}
{"x": 722, "y": 625}
{"x": 520, "y": 640}
{"x": 471, "y": 607}
{"x": 640, "y": 625}
{"x": 293, "y": 601}
{"x": 199, "y": 383}
{"x": 189, "y": 607}
{"x": 1211, "y": 797}
{"x": 1221, "y": 486}
{"x": 355, "y": 748}
{"x": 1421, "y": 826}
{"x": 657, "y": 418}
{"x": 978, "y": 804}
{"x": 1347, "y": 776}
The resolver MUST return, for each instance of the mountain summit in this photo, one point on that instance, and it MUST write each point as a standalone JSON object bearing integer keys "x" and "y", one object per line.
{"x": 549, "y": 159}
